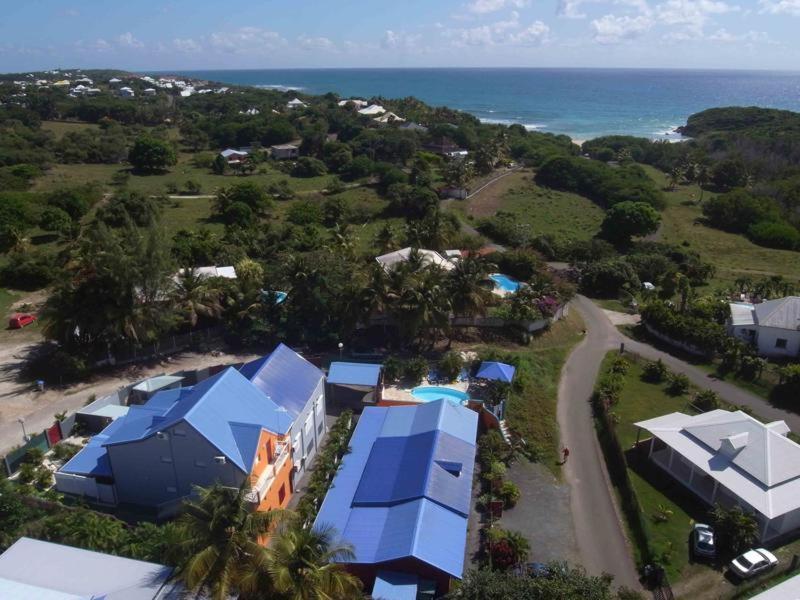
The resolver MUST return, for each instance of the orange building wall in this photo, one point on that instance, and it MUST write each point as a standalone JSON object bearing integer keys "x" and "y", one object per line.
{"x": 274, "y": 497}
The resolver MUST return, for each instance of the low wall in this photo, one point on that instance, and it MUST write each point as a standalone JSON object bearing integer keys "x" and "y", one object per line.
{"x": 675, "y": 343}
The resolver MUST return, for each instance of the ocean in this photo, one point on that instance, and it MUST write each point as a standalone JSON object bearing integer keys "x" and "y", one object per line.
{"x": 582, "y": 103}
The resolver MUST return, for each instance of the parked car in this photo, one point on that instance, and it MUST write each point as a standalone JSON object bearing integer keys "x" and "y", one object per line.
{"x": 753, "y": 562}
{"x": 20, "y": 320}
{"x": 703, "y": 543}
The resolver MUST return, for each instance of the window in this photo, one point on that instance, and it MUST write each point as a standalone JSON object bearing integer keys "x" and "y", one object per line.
{"x": 166, "y": 459}
{"x": 780, "y": 343}
{"x": 282, "y": 493}
{"x": 310, "y": 447}
{"x": 309, "y": 425}
{"x": 200, "y": 463}
{"x": 320, "y": 427}
{"x": 318, "y": 406}
{"x": 258, "y": 458}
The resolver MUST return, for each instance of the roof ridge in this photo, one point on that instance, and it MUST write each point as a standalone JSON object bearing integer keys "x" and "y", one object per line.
{"x": 219, "y": 377}
{"x": 779, "y": 302}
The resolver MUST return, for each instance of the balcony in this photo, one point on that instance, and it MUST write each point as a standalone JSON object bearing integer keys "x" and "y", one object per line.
{"x": 260, "y": 487}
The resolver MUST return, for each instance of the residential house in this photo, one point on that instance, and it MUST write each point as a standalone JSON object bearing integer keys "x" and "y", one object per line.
{"x": 355, "y": 102}
{"x": 773, "y": 327}
{"x": 295, "y": 103}
{"x": 260, "y": 425}
{"x": 234, "y": 157}
{"x": 299, "y": 389}
{"x": 387, "y": 118}
{"x": 149, "y": 92}
{"x": 411, "y": 126}
{"x": 445, "y": 147}
{"x": 372, "y": 110}
{"x": 208, "y": 272}
{"x": 126, "y": 92}
{"x": 401, "y": 497}
{"x": 37, "y": 570}
{"x": 430, "y": 257}
{"x": 284, "y": 152}
{"x": 114, "y": 81}
{"x": 250, "y": 112}
{"x": 730, "y": 458}
{"x": 61, "y": 83}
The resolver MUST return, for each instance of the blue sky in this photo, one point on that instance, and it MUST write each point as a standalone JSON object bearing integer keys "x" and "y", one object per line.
{"x": 186, "y": 34}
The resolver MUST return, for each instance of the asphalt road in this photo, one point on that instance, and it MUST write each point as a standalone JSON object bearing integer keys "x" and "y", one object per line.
{"x": 599, "y": 535}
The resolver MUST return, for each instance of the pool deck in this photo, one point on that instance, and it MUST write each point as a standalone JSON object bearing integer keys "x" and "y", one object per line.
{"x": 393, "y": 393}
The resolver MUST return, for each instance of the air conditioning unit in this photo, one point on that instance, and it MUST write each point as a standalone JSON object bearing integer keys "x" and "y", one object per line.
{"x": 220, "y": 460}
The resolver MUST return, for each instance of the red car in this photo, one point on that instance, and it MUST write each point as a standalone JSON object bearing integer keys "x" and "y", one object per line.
{"x": 19, "y": 321}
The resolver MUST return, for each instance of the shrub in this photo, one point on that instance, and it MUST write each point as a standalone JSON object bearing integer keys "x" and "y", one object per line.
{"x": 609, "y": 388}
{"x": 451, "y": 364}
{"x": 305, "y": 212}
{"x": 706, "y": 400}
{"x": 510, "y": 493}
{"x": 415, "y": 368}
{"x": 281, "y": 190}
{"x": 678, "y": 384}
{"x": 392, "y": 368}
{"x": 55, "y": 219}
{"x": 654, "y": 371}
{"x": 307, "y": 166}
{"x": 775, "y": 234}
{"x": 64, "y": 451}
{"x": 620, "y": 365}
{"x": 31, "y": 270}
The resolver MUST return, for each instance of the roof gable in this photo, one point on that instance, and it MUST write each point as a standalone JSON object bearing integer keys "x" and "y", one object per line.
{"x": 783, "y": 313}
{"x": 285, "y": 377}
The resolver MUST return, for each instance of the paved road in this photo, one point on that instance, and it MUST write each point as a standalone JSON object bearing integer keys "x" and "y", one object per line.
{"x": 598, "y": 525}
{"x": 601, "y": 542}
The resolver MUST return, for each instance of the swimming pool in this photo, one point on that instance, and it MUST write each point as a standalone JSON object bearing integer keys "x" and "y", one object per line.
{"x": 431, "y": 393}
{"x": 505, "y": 283}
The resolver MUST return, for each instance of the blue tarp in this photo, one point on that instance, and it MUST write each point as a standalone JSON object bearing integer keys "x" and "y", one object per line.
{"x": 346, "y": 373}
{"x": 496, "y": 371}
{"x": 383, "y": 511}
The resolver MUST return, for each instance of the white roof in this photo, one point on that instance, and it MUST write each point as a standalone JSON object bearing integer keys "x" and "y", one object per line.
{"x": 787, "y": 590}
{"x": 389, "y": 117}
{"x": 156, "y": 383}
{"x": 741, "y": 313}
{"x": 228, "y": 152}
{"x": 357, "y": 103}
{"x": 783, "y": 313}
{"x": 114, "y": 80}
{"x": 204, "y": 272}
{"x": 296, "y": 102}
{"x": 756, "y": 462}
{"x": 388, "y": 261}
{"x": 45, "y": 571}
{"x": 372, "y": 109}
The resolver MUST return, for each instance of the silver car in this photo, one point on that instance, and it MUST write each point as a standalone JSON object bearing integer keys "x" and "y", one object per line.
{"x": 703, "y": 543}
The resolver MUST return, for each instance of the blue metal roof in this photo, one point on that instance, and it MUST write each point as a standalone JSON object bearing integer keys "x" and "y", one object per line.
{"x": 347, "y": 373}
{"x": 286, "y": 377}
{"x": 496, "y": 371}
{"x": 391, "y": 585}
{"x": 226, "y": 409}
{"x": 92, "y": 459}
{"x": 397, "y": 495}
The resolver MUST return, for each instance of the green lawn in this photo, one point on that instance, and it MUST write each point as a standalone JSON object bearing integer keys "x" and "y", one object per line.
{"x": 59, "y": 128}
{"x": 532, "y": 414}
{"x": 732, "y": 255}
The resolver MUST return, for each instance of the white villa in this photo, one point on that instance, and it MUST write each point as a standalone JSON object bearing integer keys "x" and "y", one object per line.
{"x": 772, "y": 326}
{"x": 389, "y": 117}
{"x": 295, "y": 103}
{"x": 430, "y": 257}
{"x": 355, "y": 102}
{"x": 372, "y": 110}
{"x": 730, "y": 458}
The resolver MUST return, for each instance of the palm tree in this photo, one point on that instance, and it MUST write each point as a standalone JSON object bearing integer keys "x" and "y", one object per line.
{"x": 218, "y": 533}
{"x": 469, "y": 287}
{"x": 303, "y": 564}
{"x": 386, "y": 238}
{"x": 196, "y": 296}
{"x": 703, "y": 177}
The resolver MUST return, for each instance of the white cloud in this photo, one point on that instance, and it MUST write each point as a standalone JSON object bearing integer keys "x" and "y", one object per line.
{"x": 753, "y": 37}
{"x": 316, "y": 43}
{"x": 611, "y": 29}
{"x": 780, "y": 7}
{"x": 693, "y": 14}
{"x": 398, "y": 40}
{"x": 573, "y": 9}
{"x": 246, "y": 40}
{"x": 482, "y": 7}
{"x": 535, "y": 34}
{"x": 510, "y": 31}
{"x": 187, "y": 45}
{"x": 126, "y": 40}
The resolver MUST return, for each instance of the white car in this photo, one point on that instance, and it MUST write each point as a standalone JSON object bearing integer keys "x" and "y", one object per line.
{"x": 753, "y": 562}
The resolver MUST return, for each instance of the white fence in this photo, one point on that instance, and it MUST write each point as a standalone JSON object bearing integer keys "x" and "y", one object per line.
{"x": 85, "y": 487}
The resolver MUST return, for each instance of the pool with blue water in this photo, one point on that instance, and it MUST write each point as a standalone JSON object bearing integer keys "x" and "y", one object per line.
{"x": 432, "y": 393}
{"x": 505, "y": 283}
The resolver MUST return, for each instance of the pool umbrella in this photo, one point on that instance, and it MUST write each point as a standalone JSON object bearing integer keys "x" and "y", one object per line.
{"x": 496, "y": 371}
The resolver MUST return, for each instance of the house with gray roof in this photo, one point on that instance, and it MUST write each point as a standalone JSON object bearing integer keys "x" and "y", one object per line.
{"x": 730, "y": 458}
{"x": 772, "y": 326}
{"x": 33, "y": 569}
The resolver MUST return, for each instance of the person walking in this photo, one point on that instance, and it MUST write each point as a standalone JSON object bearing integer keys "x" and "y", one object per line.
{"x": 565, "y": 452}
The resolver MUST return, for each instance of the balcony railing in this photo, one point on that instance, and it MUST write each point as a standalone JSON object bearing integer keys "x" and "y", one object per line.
{"x": 259, "y": 489}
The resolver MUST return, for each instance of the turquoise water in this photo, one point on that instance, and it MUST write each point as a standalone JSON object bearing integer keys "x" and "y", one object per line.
{"x": 582, "y": 103}
{"x": 505, "y": 283}
{"x": 429, "y": 394}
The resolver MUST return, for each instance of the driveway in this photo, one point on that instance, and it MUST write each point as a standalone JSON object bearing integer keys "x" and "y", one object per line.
{"x": 601, "y": 542}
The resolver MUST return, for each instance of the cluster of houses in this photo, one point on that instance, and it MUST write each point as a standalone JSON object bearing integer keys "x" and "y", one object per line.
{"x": 236, "y": 156}
{"x": 401, "y": 498}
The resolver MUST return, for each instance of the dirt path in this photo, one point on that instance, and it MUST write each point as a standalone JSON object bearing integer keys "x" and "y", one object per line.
{"x": 486, "y": 200}
{"x": 20, "y": 400}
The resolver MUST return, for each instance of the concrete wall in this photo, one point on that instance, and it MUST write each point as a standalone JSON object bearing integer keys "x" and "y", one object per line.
{"x": 767, "y": 337}
{"x": 308, "y": 430}
{"x": 156, "y": 471}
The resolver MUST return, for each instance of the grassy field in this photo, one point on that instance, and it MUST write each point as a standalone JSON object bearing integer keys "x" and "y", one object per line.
{"x": 732, "y": 255}
{"x": 59, "y": 128}
{"x": 544, "y": 211}
{"x": 532, "y": 414}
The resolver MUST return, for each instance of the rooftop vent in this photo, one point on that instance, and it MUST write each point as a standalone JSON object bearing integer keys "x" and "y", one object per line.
{"x": 733, "y": 443}
{"x": 454, "y": 468}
